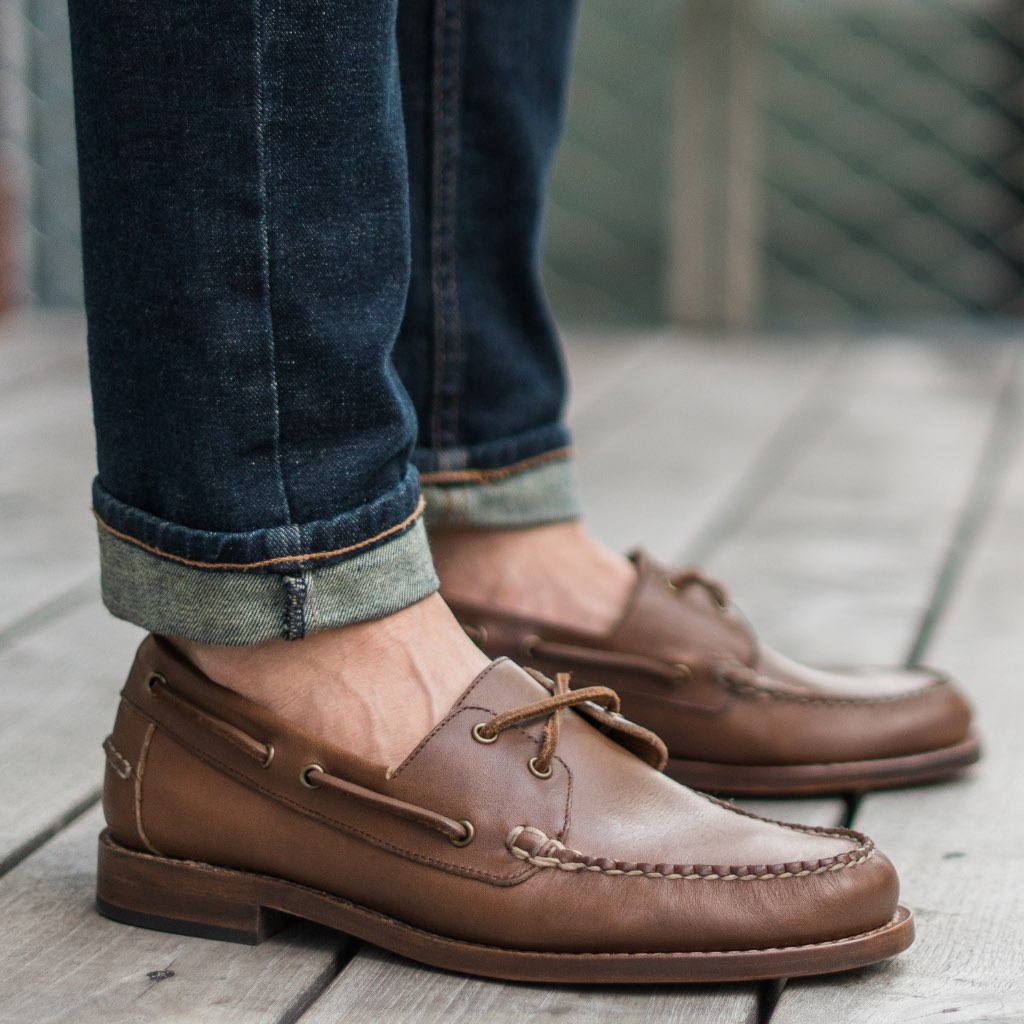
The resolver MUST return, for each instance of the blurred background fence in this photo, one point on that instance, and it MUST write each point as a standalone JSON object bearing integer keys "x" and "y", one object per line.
{"x": 726, "y": 161}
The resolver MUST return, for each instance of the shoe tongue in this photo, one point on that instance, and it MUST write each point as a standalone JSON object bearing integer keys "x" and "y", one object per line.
{"x": 499, "y": 687}
{"x": 502, "y": 685}
{"x": 685, "y": 625}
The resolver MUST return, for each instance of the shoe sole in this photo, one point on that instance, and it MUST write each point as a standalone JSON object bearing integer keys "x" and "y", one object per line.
{"x": 837, "y": 777}
{"x": 192, "y": 898}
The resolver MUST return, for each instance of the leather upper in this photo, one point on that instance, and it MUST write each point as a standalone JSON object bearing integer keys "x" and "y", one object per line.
{"x": 687, "y": 665}
{"x": 607, "y": 854}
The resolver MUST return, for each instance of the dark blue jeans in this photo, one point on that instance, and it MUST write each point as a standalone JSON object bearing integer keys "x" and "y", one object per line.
{"x": 311, "y": 234}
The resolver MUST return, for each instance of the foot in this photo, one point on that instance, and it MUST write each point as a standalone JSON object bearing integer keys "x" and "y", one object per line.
{"x": 558, "y": 573}
{"x": 737, "y": 716}
{"x": 530, "y": 835}
{"x": 374, "y": 688}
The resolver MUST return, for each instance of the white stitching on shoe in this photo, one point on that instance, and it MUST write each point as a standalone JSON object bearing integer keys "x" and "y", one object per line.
{"x": 116, "y": 761}
{"x": 577, "y": 861}
{"x": 138, "y": 790}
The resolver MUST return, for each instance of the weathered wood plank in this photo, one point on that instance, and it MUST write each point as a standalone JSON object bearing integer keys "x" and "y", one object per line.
{"x": 378, "y": 988}
{"x": 58, "y": 690}
{"x": 64, "y": 964}
{"x": 959, "y": 847}
{"x": 838, "y": 562}
{"x": 662, "y": 451}
{"x": 599, "y": 361}
{"x": 48, "y": 545}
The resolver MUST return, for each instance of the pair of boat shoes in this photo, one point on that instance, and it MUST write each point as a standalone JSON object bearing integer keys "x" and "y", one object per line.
{"x": 538, "y": 832}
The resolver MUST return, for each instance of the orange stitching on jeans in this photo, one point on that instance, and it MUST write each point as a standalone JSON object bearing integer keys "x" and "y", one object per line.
{"x": 486, "y": 476}
{"x": 282, "y": 560}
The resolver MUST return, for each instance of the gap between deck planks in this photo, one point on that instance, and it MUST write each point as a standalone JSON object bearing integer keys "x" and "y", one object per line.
{"x": 959, "y": 847}
{"x": 691, "y": 422}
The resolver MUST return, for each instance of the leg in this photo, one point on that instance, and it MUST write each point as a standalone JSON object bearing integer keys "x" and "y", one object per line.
{"x": 484, "y": 90}
{"x": 246, "y": 235}
{"x": 245, "y": 222}
{"x": 481, "y": 358}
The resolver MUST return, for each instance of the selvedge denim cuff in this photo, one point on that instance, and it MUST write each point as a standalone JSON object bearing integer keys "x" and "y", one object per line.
{"x": 237, "y": 604}
{"x": 530, "y": 493}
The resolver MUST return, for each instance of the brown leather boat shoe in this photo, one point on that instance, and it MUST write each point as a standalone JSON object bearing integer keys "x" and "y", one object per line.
{"x": 530, "y": 836}
{"x": 736, "y": 716}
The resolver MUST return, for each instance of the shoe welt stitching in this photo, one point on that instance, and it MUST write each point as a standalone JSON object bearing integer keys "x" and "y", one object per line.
{"x": 704, "y": 872}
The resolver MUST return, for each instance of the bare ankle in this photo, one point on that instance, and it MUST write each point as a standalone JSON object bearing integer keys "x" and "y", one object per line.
{"x": 375, "y": 688}
{"x": 557, "y": 572}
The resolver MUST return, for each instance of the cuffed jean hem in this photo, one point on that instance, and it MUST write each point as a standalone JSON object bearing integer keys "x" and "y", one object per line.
{"x": 229, "y": 607}
{"x": 275, "y": 548}
{"x": 534, "y": 492}
{"x": 502, "y": 456}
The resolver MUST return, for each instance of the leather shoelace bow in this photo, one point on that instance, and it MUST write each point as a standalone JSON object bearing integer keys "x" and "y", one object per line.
{"x": 694, "y": 577}
{"x": 551, "y": 707}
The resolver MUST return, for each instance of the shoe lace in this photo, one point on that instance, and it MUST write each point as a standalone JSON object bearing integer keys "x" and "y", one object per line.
{"x": 315, "y": 776}
{"x": 691, "y": 577}
{"x": 550, "y": 708}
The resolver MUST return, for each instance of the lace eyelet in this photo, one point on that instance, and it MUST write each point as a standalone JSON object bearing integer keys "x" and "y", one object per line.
{"x": 479, "y": 736}
{"x": 154, "y": 680}
{"x": 268, "y": 757}
{"x": 468, "y": 837}
{"x": 530, "y": 645}
{"x": 534, "y": 770}
{"x": 306, "y": 772}
{"x": 685, "y": 673}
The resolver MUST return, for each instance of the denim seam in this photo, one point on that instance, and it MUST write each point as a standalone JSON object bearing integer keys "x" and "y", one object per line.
{"x": 314, "y": 619}
{"x": 485, "y": 476}
{"x": 281, "y": 560}
{"x": 444, "y": 270}
{"x": 294, "y": 606}
{"x": 266, "y": 275}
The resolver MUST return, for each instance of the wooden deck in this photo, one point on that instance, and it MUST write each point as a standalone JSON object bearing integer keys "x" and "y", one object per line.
{"x": 864, "y": 498}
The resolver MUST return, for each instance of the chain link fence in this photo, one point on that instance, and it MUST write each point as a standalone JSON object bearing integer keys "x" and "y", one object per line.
{"x": 892, "y": 170}
{"x": 889, "y": 163}
{"x": 889, "y": 177}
